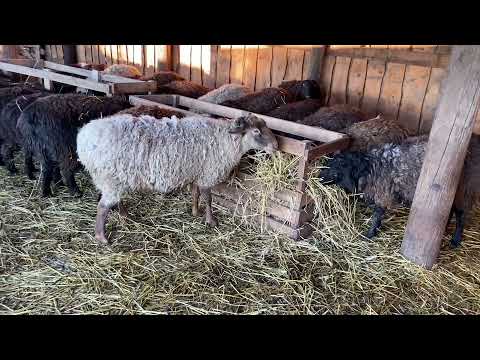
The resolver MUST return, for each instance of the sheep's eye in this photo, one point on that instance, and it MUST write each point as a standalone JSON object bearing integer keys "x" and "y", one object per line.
{"x": 256, "y": 132}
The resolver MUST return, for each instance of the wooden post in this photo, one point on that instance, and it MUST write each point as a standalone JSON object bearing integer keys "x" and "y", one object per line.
{"x": 316, "y": 62}
{"x": 69, "y": 54}
{"x": 445, "y": 154}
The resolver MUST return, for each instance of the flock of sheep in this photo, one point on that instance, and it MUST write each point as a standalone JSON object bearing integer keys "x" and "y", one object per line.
{"x": 126, "y": 148}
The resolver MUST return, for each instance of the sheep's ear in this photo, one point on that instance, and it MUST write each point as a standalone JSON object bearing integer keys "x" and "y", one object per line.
{"x": 240, "y": 126}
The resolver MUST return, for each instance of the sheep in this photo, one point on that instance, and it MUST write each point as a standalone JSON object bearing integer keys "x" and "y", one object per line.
{"x": 303, "y": 89}
{"x": 128, "y": 71}
{"x": 335, "y": 118}
{"x": 226, "y": 92}
{"x": 297, "y": 110}
{"x": 163, "y": 77}
{"x": 367, "y": 134}
{"x": 261, "y": 102}
{"x": 387, "y": 176}
{"x": 87, "y": 66}
{"x": 184, "y": 88}
{"x": 154, "y": 111}
{"x": 10, "y": 137}
{"x": 49, "y": 126}
{"x": 123, "y": 153}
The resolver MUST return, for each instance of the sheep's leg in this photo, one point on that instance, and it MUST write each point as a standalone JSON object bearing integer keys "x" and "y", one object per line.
{"x": 71, "y": 184}
{"x": 102, "y": 213}
{"x": 47, "y": 169}
{"x": 195, "y": 197}
{"x": 207, "y": 197}
{"x": 7, "y": 153}
{"x": 29, "y": 168}
{"x": 378, "y": 214}
{"x": 57, "y": 176}
{"x": 2, "y": 163}
{"x": 460, "y": 224}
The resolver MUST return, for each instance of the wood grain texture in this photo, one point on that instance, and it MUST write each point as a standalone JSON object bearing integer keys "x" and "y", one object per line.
{"x": 162, "y": 59}
{"x": 237, "y": 64}
{"x": 391, "y": 92}
{"x": 373, "y": 85}
{"x": 279, "y": 65}
{"x": 326, "y": 76}
{"x": 294, "y": 64}
{"x": 196, "y": 64}
{"x": 445, "y": 154}
{"x": 431, "y": 99}
{"x": 339, "y": 81}
{"x": 223, "y": 65}
{"x": 184, "y": 60}
{"x": 149, "y": 59}
{"x": 209, "y": 65}
{"x": 264, "y": 66}
{"x": 250, "y": 68}
{"x": 356, "y": 81}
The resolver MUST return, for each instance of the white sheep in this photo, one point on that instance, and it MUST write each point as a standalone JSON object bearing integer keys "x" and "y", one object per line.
{"x": 125, "y": 153}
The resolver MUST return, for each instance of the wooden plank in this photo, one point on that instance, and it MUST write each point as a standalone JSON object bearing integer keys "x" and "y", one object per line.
{"x": 308, "y": 132}
{"x": 132, "y": 88}
{"x": 108, "y": 54}
{"x": 53, "y": 53}
{"x": 420, "y": 58}
{"x": 88, "y": 54}
{"x": 114, "y": 51}
{"x": 391, "y": 93}
{"x": 356, "y": 81}
{"x": 196, "y": 64}
{"x": 250, "y": 68}
{"x": 294, "y": 64}
{"x": 184, "y": 60}
{"x": 138, "y": 56}
{"x": 223, "y": 65}
{"x": 326, "y": 76}
{"x": 140, "y": 100}
{"x": 149, "y": 60}
{"x": 60, "y": 53}
{"x": 162, "y": 58}
{"x": 237, "y": 64}
{"x": 431, "y": 99}
{"x": 48, "y": 53}
{"x": 313, "y": 63}
{"x": 53, "y": 76}
{"x": 264, "y": 64}
{"x": 339, "y": 81}
{"x": 414, "y": 90}
{"x": 279, "y": 65}
{"x": 444, "y": 157}
{"x": 176, "y": 57}
{"x": 324, "y": 149}
{"x": 102, "y": 54}
{"x": 130, "y": 55}
{"x": 96, "y": 59}
{"x": 122, "y": 54}
{"x": 307, "y": 64}
{"x": 209, "y": 65}
{"x": 373, "y": 85}
{"x": 81, "y": 53}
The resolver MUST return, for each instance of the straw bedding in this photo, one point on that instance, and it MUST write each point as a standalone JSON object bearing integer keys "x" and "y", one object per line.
{"x": 165, "y": 261}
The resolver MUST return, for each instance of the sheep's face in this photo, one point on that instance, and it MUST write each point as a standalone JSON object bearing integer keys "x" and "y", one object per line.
{"x": 301, "y": 90}
{"x": 347, "y": 170}
{"x": 255, "y": 134}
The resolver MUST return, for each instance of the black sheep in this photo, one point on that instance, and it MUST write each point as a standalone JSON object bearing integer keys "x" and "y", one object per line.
{"x": 184, "y": 88}
{"x": 303, "y": 89}
{"x": 10, "y": 138}
{"x": 49, "y": 128}
{"x": 297, "y": 110}
{"x": 261, "y": 102}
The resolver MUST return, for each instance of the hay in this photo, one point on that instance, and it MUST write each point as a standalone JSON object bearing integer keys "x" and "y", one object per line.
{"x": 164, "y": 261}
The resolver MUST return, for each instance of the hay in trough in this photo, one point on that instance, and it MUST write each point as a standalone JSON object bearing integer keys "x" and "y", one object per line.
{"x": 164, "y": 261}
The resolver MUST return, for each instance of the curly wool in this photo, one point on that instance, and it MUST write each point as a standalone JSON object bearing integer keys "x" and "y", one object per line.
{"x": 335, "y": 118}
{"x": 154, "y": 111}
{"x": 128, "y": 71}
{"x": 261, "y": 102}
{"x": 184, "y": 88}
{"x": 297, "y": 110}
{"x": 163, "y": 77}
{"x": 124, "y": 154}
{"x": 226, "y": 92}
{"x": 377, "y": 131}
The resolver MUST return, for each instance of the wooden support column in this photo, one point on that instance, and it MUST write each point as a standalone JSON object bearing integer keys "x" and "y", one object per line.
{"x": 316, "y": 62}
{"x": 445, "y": 154}
{"x": 69, "y": 54}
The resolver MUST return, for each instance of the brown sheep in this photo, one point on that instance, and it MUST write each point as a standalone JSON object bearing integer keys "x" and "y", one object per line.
{"x": 184, "y": 88}
{"x": 163, "y": 77}
{"x": 297, "y": 110}
{"x": 155, "y": 111}
{"x": 128, "y": 71}
{"x": 335, "y": 118}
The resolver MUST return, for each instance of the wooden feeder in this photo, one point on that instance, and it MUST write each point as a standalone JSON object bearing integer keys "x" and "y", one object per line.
{"x": 82, "y": 78}
{"x": 287, "y": 212}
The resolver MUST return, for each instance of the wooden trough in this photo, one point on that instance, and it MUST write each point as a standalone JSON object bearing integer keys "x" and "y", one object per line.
{"x": 82, "y": 78}
{"x": 288, "y": 212}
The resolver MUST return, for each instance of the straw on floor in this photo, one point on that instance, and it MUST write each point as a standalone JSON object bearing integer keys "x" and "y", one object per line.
{"x": 164, "y": 261}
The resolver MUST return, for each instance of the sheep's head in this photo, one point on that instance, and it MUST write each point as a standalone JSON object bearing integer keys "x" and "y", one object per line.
{"x": 302, "y": 89}
{"x": 255, "y": 134}
{"x": 347, "y": 170}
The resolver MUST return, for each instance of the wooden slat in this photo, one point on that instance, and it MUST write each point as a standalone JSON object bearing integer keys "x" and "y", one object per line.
{"x": 162, "y": 58}
{"x": 391, "y": 92}
{"x": 223, "y": 65}
{"x": 122, "y": 54}
{"x": 339, "y": 81}
{"x": 307, "y": 64}
{"x": 184, "y": 60}
{"x": 279, "y": 65}
{"x": 88, "y": 54}
{"x": 114, "y": 51}
{"x": 60, "y": 53}
{"x": 326, "y": 76}
{"x": 414, "y": 89}
{"x": 237, "y": 64}
{"x": 48, "y": 53}
{"x": 102, "y": 54}
{"x": 431, "y": 99}
{"x": 209, "y": 65}
{"x": 250, "y": 68}
{"x": 420, "y": 58}
{"x": 95, "y": 56}
{"x": 196, "y": 64}
{"x": 149, "y": 59}
{"x": 176, "y": 57}
{"x": 108, "y": 54}
{"x": 130, "y": 55}
{"x": 264, "y": 65}
{"x": 323, "y": 149}
{"x": 373, "y": 85}
{"x": 133, "y": 87}
{"x": 356, "y": 81}
{"x": 294, "y": 64}
{"x": 53, "y": 51}
{"x": 81, "y": 53}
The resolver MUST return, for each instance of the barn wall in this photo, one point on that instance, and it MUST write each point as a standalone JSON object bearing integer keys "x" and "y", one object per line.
{"x": 399, "y": 81}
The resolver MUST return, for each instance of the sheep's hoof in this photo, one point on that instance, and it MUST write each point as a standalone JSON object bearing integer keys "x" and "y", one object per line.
{"x": 212, "y": 222}
{"x": 101, "y": 239}
{"x": 370, "y": 234}
{"x": 454, "y": 244}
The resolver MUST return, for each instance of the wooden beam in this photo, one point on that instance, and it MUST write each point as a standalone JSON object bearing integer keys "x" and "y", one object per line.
{"x": 445, "y": 154}
{"x": 69, "y": 54}
{"x": 316, "y": 62}
{"x": 394, "y": 56}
